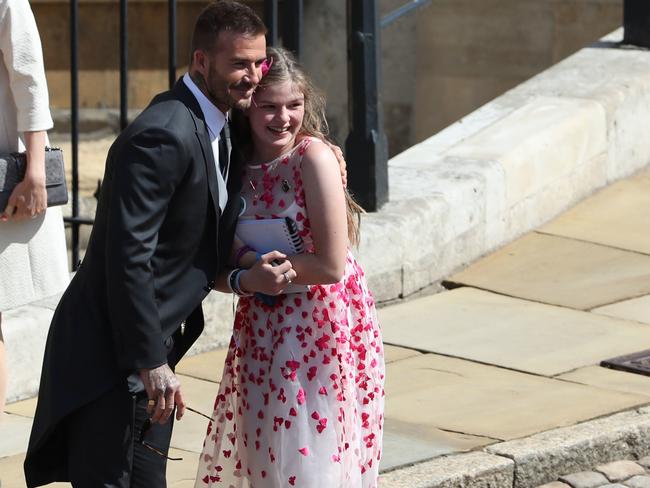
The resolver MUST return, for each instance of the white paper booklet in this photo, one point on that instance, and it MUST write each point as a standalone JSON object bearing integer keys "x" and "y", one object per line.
{"x": 266, "y": 235}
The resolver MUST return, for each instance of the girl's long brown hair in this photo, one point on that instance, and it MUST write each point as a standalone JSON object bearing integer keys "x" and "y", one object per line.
{"x": 285, "y": 68}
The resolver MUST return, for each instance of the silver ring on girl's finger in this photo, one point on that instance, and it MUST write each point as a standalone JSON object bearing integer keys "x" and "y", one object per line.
{"x": 286, "y": 277}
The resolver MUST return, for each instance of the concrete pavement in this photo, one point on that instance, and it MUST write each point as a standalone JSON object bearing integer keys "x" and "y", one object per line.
{"x": 497, "y": 380}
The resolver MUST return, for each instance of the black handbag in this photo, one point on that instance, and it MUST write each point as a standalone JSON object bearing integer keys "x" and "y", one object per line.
{"x": 12, "y": 172}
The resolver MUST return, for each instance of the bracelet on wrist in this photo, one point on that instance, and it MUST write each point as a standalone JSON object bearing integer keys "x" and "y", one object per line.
{"x": 230, "y": 280}
{"x": 234, "y": 285}
{"x": 240, "y": 253}
{"x": 239, "y": 290}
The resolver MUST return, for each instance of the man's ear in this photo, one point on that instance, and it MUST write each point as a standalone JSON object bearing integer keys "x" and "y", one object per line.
{"x": 200, "y": 61}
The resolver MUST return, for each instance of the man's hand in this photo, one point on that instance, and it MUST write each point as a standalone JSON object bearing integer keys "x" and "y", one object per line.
{"x": 27, "y": 201}
{"x": 269, "y": 275}
{"x": 339, "y": 157}
{"x": 164, "y": 392}
{"x": 342, "y": 165}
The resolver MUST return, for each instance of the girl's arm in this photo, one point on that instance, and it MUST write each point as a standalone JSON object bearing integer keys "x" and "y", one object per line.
{"x": 241, "y": 255}
{"x": 328, "y": 220}
{"x": 263, "y": 277}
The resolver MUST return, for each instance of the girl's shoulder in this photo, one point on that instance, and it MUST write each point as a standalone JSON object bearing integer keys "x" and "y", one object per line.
{"x": 313, "y": 150}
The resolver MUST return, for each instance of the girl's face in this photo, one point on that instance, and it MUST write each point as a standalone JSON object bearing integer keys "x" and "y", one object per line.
{"x": 276, "y": 116}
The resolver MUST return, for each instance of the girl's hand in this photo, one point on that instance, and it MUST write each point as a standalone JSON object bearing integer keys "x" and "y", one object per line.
{"x": 269, "y": 275}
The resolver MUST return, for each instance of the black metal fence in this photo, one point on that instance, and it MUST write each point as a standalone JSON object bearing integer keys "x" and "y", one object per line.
{"x": 366, "y": 146}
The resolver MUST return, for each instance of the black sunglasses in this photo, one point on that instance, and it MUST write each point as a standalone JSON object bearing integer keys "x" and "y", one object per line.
{"x": 146, "y": 426}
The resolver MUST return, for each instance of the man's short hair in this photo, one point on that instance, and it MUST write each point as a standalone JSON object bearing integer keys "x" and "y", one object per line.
{"x": 221, "y": 16}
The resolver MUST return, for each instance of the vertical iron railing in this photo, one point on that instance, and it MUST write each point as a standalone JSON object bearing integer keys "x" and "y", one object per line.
{"x": 636, "y": 22}
{"x": 285, "y": 25}
{"x": 74, "y": 127}
{"x": 171, "y": 34}
{"x": 366, "y": 145}
{"x": 271, "y": 21}
{"x": 292, "y": 29}
{"x": 124, "y": 63}
{"x": 75, "y": 221}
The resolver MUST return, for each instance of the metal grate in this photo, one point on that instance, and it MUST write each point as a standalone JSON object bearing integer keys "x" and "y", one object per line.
{"x": 638, "y": 362}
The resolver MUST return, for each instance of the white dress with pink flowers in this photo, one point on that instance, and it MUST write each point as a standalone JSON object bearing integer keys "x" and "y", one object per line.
{"x": 302, "y": 395}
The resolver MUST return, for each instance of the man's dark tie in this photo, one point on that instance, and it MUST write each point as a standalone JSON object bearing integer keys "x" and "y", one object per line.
{"x": 224, "y": 143}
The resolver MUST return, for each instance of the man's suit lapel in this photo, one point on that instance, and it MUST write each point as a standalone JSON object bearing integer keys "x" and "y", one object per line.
{"x": 201, "y": 130}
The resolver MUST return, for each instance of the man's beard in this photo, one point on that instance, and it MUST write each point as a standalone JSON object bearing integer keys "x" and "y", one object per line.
{"x": 242, "y": 104}
{"x": 227, "y": 98}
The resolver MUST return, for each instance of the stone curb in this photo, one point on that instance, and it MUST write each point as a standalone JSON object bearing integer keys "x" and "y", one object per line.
{"x": 471, "y": 470}
{"x": 534, "y": 460}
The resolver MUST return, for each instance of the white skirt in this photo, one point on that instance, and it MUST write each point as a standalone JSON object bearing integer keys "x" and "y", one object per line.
{"x": 33, "y": 259}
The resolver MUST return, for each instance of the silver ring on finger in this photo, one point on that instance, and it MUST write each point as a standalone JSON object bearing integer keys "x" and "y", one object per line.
{"x": 286, "y": 277}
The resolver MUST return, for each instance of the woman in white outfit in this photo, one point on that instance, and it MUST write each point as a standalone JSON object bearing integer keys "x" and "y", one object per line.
{"x": 33, "y": 258}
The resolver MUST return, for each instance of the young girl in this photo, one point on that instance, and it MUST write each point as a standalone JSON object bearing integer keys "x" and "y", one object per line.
{"x": 301, "y": 400}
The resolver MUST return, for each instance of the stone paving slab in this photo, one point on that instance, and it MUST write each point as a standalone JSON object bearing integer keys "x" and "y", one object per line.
{"x": 25, "y": 331}
{"x": 620, "y": 470}
{"x": 11, "y": 473}
{"x": 206, "y": 366}
{"x": 544, "y": 457}
{"x": 509, "y": 332}
{"x": 394, "y": 353}
{"x": 585, "y": 479}
{"x": 188, "y": 434}
{"x": 481, "y": 400}
{"x": 641, "y": 481}
{"x": 561, "y": 271}
{"x": 26, "y": 408}
{"x": 473, "y": 470}
{"x": 610, "y": 379}
{"x": 616, "y": 216}
{"x": 637, "y": 309}
{"x": 408, "y": 443}
{"x": 182, "y": 473}
{"x": 15, "y": 434}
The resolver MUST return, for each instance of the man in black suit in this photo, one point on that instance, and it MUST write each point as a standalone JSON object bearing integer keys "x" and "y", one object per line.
{"x": 162, "y": 235}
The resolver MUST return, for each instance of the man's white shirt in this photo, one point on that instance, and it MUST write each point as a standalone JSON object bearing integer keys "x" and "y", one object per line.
{"x": 215, "y": 120}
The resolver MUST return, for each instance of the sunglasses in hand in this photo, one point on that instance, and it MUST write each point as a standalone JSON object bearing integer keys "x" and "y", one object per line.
{"x": 146, "y": 426}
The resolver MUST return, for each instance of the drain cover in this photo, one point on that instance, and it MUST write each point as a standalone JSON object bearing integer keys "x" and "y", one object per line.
{"x": 638, "y": 362}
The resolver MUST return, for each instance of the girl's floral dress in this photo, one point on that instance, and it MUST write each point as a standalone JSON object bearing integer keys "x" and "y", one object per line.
{"x": 302, "y": 395}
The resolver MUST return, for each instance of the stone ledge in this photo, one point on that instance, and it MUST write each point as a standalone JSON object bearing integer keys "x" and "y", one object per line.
{"x": 473, "y": 470}
{"x": 509, "y": 167}
{"x": 537, "y": 459}
{"x": 544, "y": 457}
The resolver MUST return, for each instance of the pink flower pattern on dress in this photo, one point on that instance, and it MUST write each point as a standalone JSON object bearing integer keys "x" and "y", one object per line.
{"x": 302, "y": 395}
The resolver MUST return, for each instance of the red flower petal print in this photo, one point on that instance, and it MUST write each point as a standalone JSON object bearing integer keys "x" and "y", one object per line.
{"x": 300, "y": 397}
